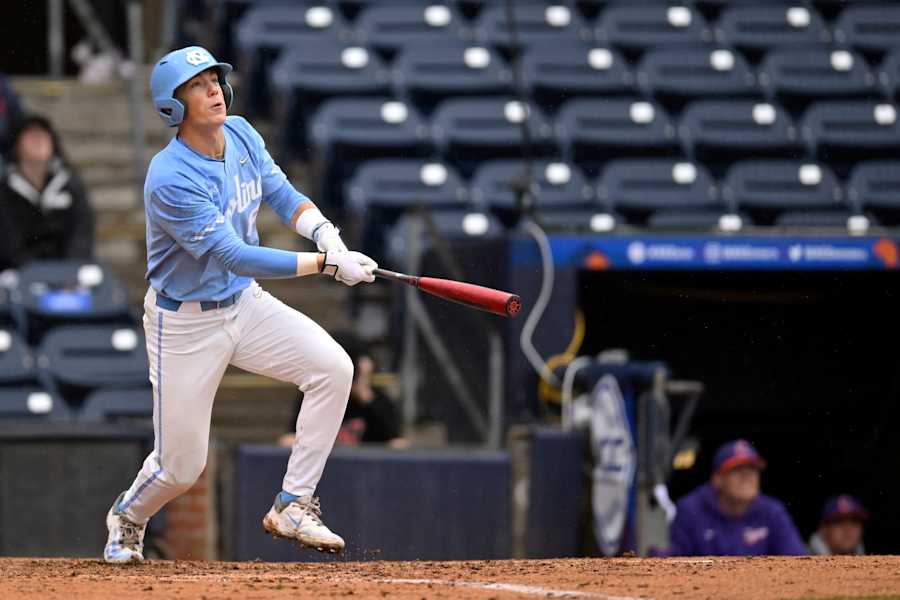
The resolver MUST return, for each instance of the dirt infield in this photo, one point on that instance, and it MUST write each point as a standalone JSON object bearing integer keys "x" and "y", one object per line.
{"x": 621, "y": 579}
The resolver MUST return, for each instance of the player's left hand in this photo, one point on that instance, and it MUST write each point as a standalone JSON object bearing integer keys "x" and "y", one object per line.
{"x": 349, "y": 268}
{"x": 330, "y": 240}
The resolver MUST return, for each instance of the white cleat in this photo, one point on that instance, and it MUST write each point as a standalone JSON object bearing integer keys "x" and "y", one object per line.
{"x": 125, "y": 543}
{"x": 301, "y": 519}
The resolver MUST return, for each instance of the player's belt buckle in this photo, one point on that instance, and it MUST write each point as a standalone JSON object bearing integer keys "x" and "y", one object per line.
{"x": 212, "y": 305}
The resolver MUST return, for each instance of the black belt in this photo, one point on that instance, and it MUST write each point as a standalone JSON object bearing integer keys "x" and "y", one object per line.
{"x": 205, "y": 305}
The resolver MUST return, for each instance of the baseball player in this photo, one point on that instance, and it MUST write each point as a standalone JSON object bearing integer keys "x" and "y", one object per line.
{"x": 204, "y": 310}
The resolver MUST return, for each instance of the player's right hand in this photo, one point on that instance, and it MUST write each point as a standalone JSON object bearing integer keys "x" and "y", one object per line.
{"x": 349, "y": 268}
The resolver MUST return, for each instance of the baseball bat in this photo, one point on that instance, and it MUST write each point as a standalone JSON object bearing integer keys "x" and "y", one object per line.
{"x": 483, "y": 298}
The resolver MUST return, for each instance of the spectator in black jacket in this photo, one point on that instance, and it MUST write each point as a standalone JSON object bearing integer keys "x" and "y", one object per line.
{"x": 44, "y": 210}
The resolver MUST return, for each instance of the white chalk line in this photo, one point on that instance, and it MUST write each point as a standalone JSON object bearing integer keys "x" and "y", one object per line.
{"x": 511, "y": 587}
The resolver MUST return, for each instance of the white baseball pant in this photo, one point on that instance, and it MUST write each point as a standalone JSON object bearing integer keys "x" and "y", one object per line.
{"x": 189, "y": 351}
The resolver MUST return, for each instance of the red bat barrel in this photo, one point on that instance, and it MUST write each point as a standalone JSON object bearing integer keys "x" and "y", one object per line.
{"x": 494, "y": 301}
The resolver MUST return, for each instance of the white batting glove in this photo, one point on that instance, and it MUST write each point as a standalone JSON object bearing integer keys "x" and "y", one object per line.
{"x": 349, "y": 268}
{"x": 328, "y": 239}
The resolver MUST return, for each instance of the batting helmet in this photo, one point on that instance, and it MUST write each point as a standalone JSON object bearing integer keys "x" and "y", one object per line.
{"x": 175, "y": 68}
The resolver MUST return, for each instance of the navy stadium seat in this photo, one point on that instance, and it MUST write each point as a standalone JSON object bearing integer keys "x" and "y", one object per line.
{"x": 845, "y": 132}
{"x": 889, "y": 74}
{"x": 556, "y": 73}
{"x": 536, "y": 24}
{"x": 469, "y": 130}
{"x": 722, "y": 131}
{"x": 697, "y": 220}
{"x": 264, "y": 31}
{"x": 577, "y": 221}
{"x": 31, "y": 404}
{"x": 80, "y": 358}
{"x": 304, "y": 78}
{"x": 870, "y": 28}
{"x": 51, "y": 293}
{"x": 635, "y": 26}
{"x": 118, "y": 405}
{"x": 389, "y": 27}
{"x": 16, "y": 362}
{"x": 641, "y": 186}
{"x": 797, "y": 77}
{"x": 555, "y": 185}
{"x": 452, "y": 225}
{"x": 381, "y": 190}
{"x": 765, "y": 188}
{"x": 875, "y": 185}
{"x": 594, "y": 130}
{"x": 369, "y": 127}
{"x": 755, "y": 29}
{"x": 427, "y": 73}
{"x": 843, "y": 220}
{"x": 674, "y": 75}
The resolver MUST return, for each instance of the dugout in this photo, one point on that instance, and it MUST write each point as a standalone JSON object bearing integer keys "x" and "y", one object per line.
{"x": 802, "y": 363}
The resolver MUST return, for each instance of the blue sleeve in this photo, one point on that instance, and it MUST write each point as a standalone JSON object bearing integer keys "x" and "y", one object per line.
{"x": 198, "y": 226}
{"x": 254, "y": 261}
{"x": 277, "y": 191}
{"x": 188, "y": 214}
{"x": 785, "y": 539}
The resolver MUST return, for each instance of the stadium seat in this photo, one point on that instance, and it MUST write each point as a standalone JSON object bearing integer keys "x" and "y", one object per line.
{"x": 889, "y": 74}
{"x": 595, "y": 221}
{"x": 80, "y": 358}
{"x": 842, "y": 220}
{"x": 427, "y": 73}
{"x": 381, "y": 190}
{"x": 875, "y": 186}
{"x": 536, "y": 24}
{"x": 265, "y": 30}
{"x": 556, "y": 73}
{"x": 675, "y": 75}
{"x": 714, "y": 221}
{"x": 31, "y": 404}
{"x": 303, "y": 79}
{"x": 870, "y": 28}
{"x": 797, "y": 77}
{"x": 755, "y": 29}
{"x": 555, "y": 186}
{"x": 16, "y": 363}
{"x": 364, "y": 128}
{"x": 592, "y": 131}
{"x": 765, "y": 188}
{"x": 388, "y": 28}
{"x": 722, "y": 131}
{"x": 641, "y": 186}
{"x": 52, "y": 293}
{"x": 846, "y": 132}
{"x": 633, "y": 27}
{"x": 118, "y": 405}
{"x": 456, "y": 225}
{"x": 471, "y": 130}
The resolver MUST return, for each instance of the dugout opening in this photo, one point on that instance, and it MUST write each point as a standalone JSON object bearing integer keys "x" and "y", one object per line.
{"x": 804, "y": 364}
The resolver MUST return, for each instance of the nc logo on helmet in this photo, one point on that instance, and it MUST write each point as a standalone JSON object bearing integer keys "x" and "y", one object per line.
{"x": 197, "y": 57}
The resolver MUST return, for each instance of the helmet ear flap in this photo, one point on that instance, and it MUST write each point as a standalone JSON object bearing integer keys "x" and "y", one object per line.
{"x": 227, "y": 93}
{"x": 171, "y": 110}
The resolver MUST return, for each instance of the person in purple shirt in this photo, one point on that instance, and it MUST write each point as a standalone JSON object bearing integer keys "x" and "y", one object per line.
{"x": 728, "y": 516}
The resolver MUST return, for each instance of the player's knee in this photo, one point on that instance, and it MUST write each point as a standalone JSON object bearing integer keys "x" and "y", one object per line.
{"x": 343, "y": 369}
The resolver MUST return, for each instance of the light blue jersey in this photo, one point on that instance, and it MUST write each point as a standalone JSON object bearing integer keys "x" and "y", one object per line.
{"x": 201, "y": 215}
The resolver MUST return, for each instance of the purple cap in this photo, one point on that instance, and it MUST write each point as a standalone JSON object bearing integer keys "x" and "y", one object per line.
{"x": 843, "y": 507}
{"x": 736, "y": 454}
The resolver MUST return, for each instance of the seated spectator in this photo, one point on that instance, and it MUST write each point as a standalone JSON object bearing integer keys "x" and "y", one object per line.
{"x": 44, "y": 210}
{"x": 10, "y": 112}
{"x": 729, "y": 516}
{"x": 841, "y": 528}
{"x": 371, "y": 415}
